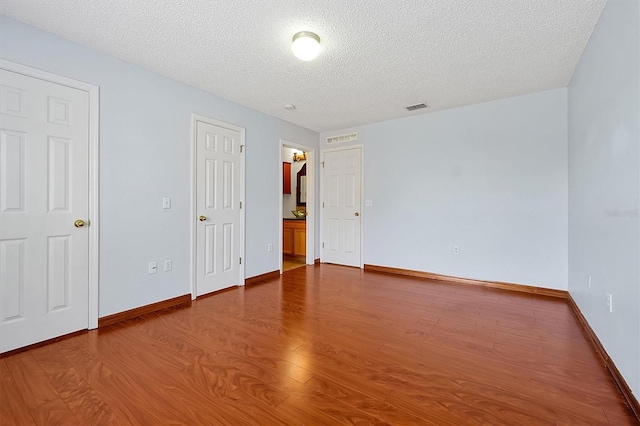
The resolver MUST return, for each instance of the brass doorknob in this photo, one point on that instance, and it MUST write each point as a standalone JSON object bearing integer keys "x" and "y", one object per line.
{"x": 356, "y": 214}
{"x": 79, "y": 223}
{"x": 202, "y": 218}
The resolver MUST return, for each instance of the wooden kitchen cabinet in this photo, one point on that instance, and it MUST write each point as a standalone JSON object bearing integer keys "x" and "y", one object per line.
{"x": 287, "y": 239}
{"x": 300, "y": 242}
{"x": 286, "y": 178}
{"x": 294, "y": 237}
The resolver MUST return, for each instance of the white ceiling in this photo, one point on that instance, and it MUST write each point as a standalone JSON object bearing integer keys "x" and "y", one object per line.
{"x": 378, "y": 55}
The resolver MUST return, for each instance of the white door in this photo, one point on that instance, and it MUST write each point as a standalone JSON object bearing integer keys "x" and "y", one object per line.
{"x": 341, "y": 220}
{"x": 44, "y": 160}
{"x": 218, "y": 180}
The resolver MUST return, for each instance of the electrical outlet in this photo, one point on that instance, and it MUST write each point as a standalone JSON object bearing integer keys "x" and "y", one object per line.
{"x": 269, "y": 247}
{"x": 168, "y": 265}
{"x": 456, "y": 250}
{"x": 589, "y": 282}
{"x": 368, "y": 203}
{"x": 153, "y": 267}
{"x": 610, "y": 302}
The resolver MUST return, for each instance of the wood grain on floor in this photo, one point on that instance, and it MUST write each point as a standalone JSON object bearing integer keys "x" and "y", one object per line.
{"x": 324, "y": 345}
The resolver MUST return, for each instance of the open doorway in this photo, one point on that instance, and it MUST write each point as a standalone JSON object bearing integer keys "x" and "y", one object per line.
{"x": 296, "y": 206}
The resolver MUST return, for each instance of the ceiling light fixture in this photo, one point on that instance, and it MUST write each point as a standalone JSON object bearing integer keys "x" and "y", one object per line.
{"x": 289, "y": 107}
{"x": 306, "y": 45}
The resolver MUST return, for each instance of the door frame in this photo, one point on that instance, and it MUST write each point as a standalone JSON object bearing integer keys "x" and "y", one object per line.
{"x": 195, "y": 118}
{"x": 93, "y": 176}
{"x": 362, "y": 213}
{"x": 311, "y": 200}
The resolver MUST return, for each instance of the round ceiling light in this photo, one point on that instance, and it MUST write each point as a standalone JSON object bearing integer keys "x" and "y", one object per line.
{"x": 306, "y": 45}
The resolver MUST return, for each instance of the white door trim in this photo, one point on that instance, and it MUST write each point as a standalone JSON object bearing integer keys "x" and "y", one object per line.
{"x": 195, "y": 118}
{"x": 311, "y": 200}
{"x": 362, "y": 210}
{"x": 94, "y": 173}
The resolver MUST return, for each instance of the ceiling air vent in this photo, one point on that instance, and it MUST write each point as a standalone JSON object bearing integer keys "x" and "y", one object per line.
{"x": 417, "y": 106}
{"x": 349, "y": 137}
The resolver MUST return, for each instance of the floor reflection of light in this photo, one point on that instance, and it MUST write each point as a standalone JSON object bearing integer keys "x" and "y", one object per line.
{"x": 296, "y": 360}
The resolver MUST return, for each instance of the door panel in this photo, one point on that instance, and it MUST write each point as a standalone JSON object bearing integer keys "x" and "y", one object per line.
{"x": 210, "y": 249}
{"x": 350, "y": 190}
{"x": 287, "y": 241}
{"x": 334, "y": 225}
{"x": 217, "y": 199}
{"x": 12, "y": 151}
{"x": 58, "y": 174}
{"x": 300, "y": 242}
{"x": 227, "y": 185}
{"x": 58, "y": 273}
{"x": 227, "y": 247}
{"x": 12, "y": 279}
{"x": 341, "y": 207}
{"x": 349, "y": 236}
{"x": 44, "y": 189}
{"x": 210, "y": 183}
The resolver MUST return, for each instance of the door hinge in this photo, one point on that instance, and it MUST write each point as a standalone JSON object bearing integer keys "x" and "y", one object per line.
{"x": 240, "y": 261}
{"x": 323, "y": 204}
{"x": 322, "y": 245}
{"x": 322, "y": 164}
{"x": 240, "y": 204}
{"x": 241, "y": 148}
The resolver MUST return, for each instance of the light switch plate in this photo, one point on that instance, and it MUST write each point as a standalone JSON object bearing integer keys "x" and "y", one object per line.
{"x": 166, "y": 202}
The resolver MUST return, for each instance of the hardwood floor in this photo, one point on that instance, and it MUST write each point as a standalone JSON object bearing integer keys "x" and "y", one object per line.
{"x": 291, "y": 262}
{"x": 324, "y": 345}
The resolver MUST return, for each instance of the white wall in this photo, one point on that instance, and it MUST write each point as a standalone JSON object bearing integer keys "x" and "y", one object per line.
{"x": 490, "y": 178}
{"x": 145, "y": 148}
{"x": 604, "y": 163}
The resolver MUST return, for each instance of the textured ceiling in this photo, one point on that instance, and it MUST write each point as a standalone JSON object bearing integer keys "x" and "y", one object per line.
{"x": 378, "y": 55}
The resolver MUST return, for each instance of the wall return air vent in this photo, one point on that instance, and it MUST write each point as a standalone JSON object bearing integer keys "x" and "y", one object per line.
{"x": 349, "y": 137}
{"x": 417, "y": 106}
